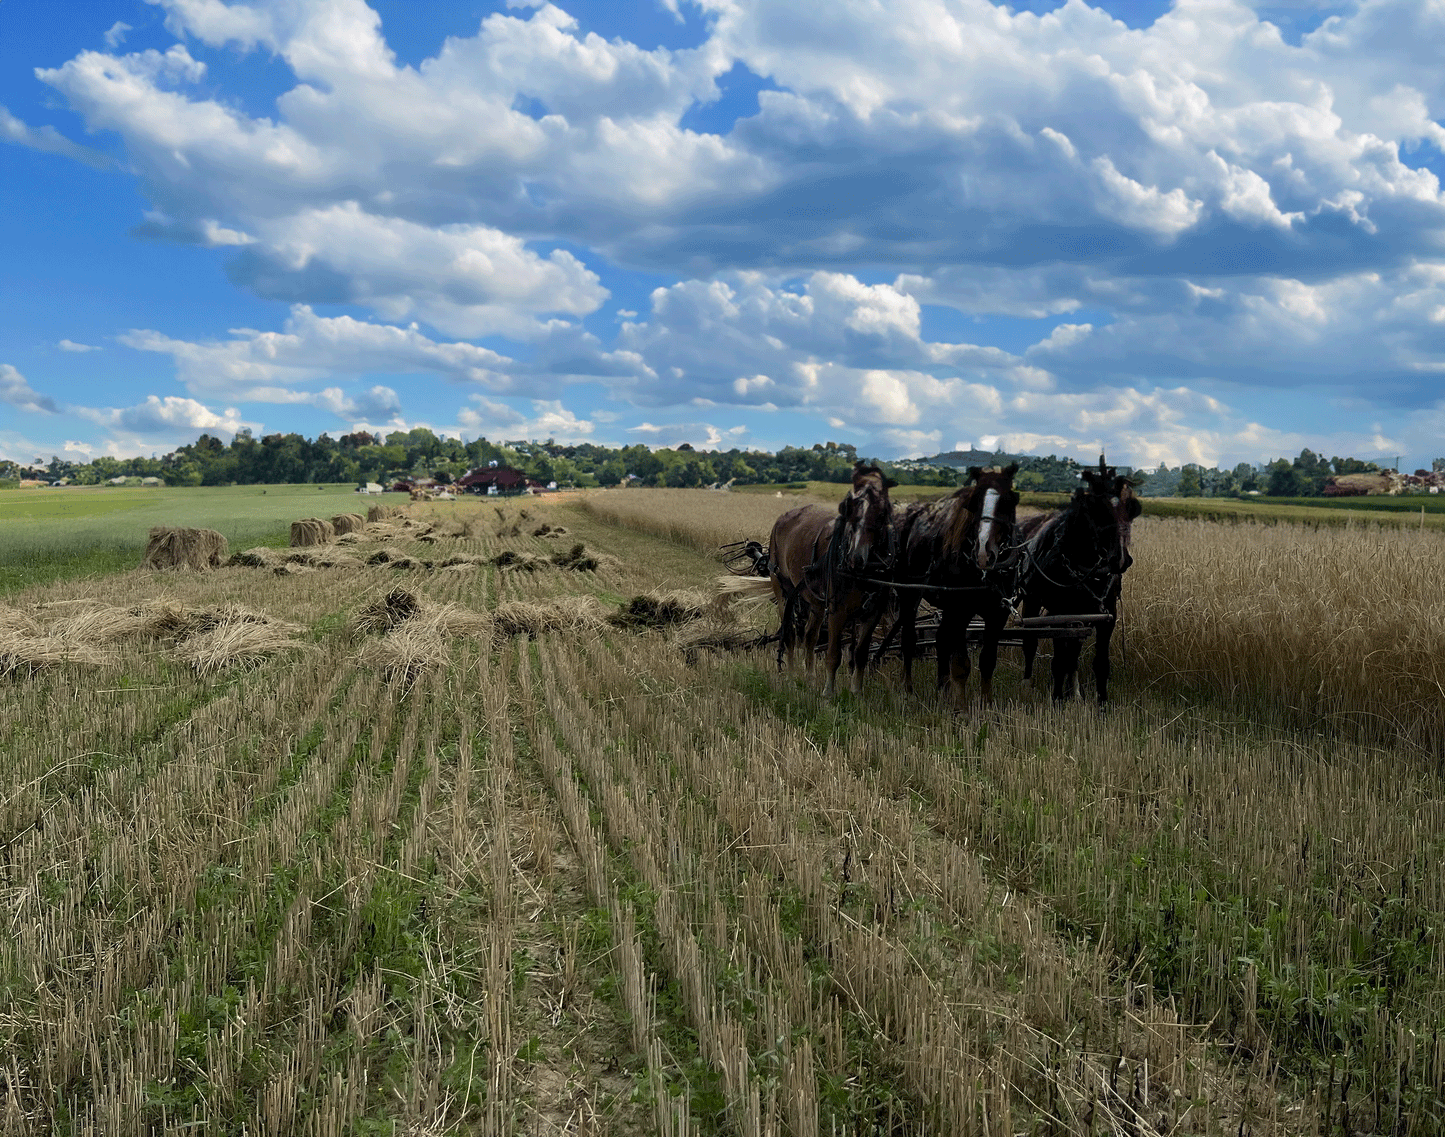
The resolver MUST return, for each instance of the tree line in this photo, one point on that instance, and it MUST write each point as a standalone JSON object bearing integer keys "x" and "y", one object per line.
{"x": 1303, "y": 476}
{"x": 362, "y": 456}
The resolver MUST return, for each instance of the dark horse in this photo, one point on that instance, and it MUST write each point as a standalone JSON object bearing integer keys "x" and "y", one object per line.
{"x": 1072, "y": 562}
{"x": 835, "y": 566}
{"x": 949, "y": 554}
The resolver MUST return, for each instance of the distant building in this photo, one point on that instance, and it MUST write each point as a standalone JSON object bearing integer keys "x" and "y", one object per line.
{"x": 495, "y": 480}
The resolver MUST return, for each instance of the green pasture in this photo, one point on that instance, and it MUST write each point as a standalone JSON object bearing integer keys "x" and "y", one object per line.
{"x": 53, "y": 534}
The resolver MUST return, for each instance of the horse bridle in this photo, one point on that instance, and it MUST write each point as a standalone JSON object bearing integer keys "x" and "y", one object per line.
{"x": 1081, "y": 579}
{"x": 833, "y": 556}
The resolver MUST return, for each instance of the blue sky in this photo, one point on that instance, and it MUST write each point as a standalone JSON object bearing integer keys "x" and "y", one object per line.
{"x": 1202, "y": 231}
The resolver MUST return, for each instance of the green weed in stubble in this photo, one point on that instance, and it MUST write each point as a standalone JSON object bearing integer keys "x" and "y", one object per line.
{"x": 824, "y": 723}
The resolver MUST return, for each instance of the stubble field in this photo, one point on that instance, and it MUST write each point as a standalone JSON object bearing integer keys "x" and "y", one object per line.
{"x": 534, "y": 856}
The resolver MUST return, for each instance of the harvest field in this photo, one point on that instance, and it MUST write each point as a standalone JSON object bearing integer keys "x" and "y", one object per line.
{"x": 527, "y": 841}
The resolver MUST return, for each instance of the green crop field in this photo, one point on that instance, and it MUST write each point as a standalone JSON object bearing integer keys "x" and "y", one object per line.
{"x": 52, "y": 534}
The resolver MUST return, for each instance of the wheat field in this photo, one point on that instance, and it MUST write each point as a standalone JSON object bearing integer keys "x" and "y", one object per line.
{"x": 457, "y": 828}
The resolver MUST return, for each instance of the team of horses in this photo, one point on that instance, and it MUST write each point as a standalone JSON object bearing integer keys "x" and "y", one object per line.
{"x": 968, "y": 556}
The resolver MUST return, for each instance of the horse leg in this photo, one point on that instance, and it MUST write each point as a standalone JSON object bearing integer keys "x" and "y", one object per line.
{"x": 784, "y": 599}
{"x": 1066, "y": 666}
{"x": 838, "y": 614}
{"x": 988, "y": 651}
{"x": 1031, "y": 645}
{"x": 863, "y": 645}
{"x": 816, "y": 615}
{"x": 953, "y": 665}
{"x": 1101, "y": 661}
{"x": 908, "y": 620}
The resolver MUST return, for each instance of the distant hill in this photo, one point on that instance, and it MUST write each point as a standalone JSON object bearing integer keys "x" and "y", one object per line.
{"x": 963, "y": 459}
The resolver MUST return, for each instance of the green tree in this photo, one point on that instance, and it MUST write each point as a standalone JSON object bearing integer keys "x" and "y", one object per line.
{"x": 611, "y": 472}
{"x": 1282, "y": 479}
{"x": 1189, "y": 482}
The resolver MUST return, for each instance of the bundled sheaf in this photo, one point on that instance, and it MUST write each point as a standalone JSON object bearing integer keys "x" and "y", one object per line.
{"x": 577, "y": 559}
{"x": 312, "y": 531}
{"x": 464, "y": 560}
{"x": 330, "y": 558}
{"x": 659, "y": 609}
{"x": 514, "y": 561}
{"x": 415, "y": 633}
{"x": 174, "y": 548}
{"x": 260, "y": 557}
{"x": 380, "y": 512}
{"x": 388, "y": 612}
{"x": 344, "y": 523}
{"x": 533, "y": 617}
{"x": 24, "y": 655}
{"x": 229, "y": 645}
{"x": 209, "y": 639}
{"x": 406, "y": 654}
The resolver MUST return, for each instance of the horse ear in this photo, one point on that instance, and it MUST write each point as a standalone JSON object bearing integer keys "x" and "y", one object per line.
{"x": 1011, "y": 469}
{"x": 974, "y": 473}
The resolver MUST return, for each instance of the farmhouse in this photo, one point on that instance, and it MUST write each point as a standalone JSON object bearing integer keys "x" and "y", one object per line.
{"x": 497, "y": 479}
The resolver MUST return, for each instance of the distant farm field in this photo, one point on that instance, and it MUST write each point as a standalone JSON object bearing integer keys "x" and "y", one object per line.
{"x": 46, "y": 534}
{"x": 482, "y": 820}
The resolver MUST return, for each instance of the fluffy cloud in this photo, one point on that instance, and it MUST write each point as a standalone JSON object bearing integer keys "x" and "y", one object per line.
{"x": 1277, "y": 333}
{"x": 169, "y": 417}
{"x": 76, "y": 348}
{"x": 549, "y": 419}
{"x": 16, "y": 391}
{"x": 276, "y": 367}
{"x": 742, "y": 338}
{"x": 954, "y": 134}
{"x": 255, "y": 365}
{"x": 467, "y": 280}
{"x": 48, "y": 140}
{"x": 154, "y": 423}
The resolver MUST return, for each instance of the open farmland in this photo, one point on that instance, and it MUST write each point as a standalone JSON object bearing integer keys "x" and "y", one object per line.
{"x": 53, "y": 534}
{"x": 506, "y": 851}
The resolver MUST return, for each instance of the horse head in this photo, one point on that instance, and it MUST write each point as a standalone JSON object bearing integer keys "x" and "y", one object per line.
{"x": 1107, "y": 498}
{"x": 992, "y": 506}
{"x": 865, "y": 519}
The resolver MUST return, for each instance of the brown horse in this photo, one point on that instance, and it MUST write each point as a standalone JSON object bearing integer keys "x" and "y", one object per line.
{"x": 949, "y": 554}
{"x": 832, "y": 566}
{"x": 1072, "y": 562}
